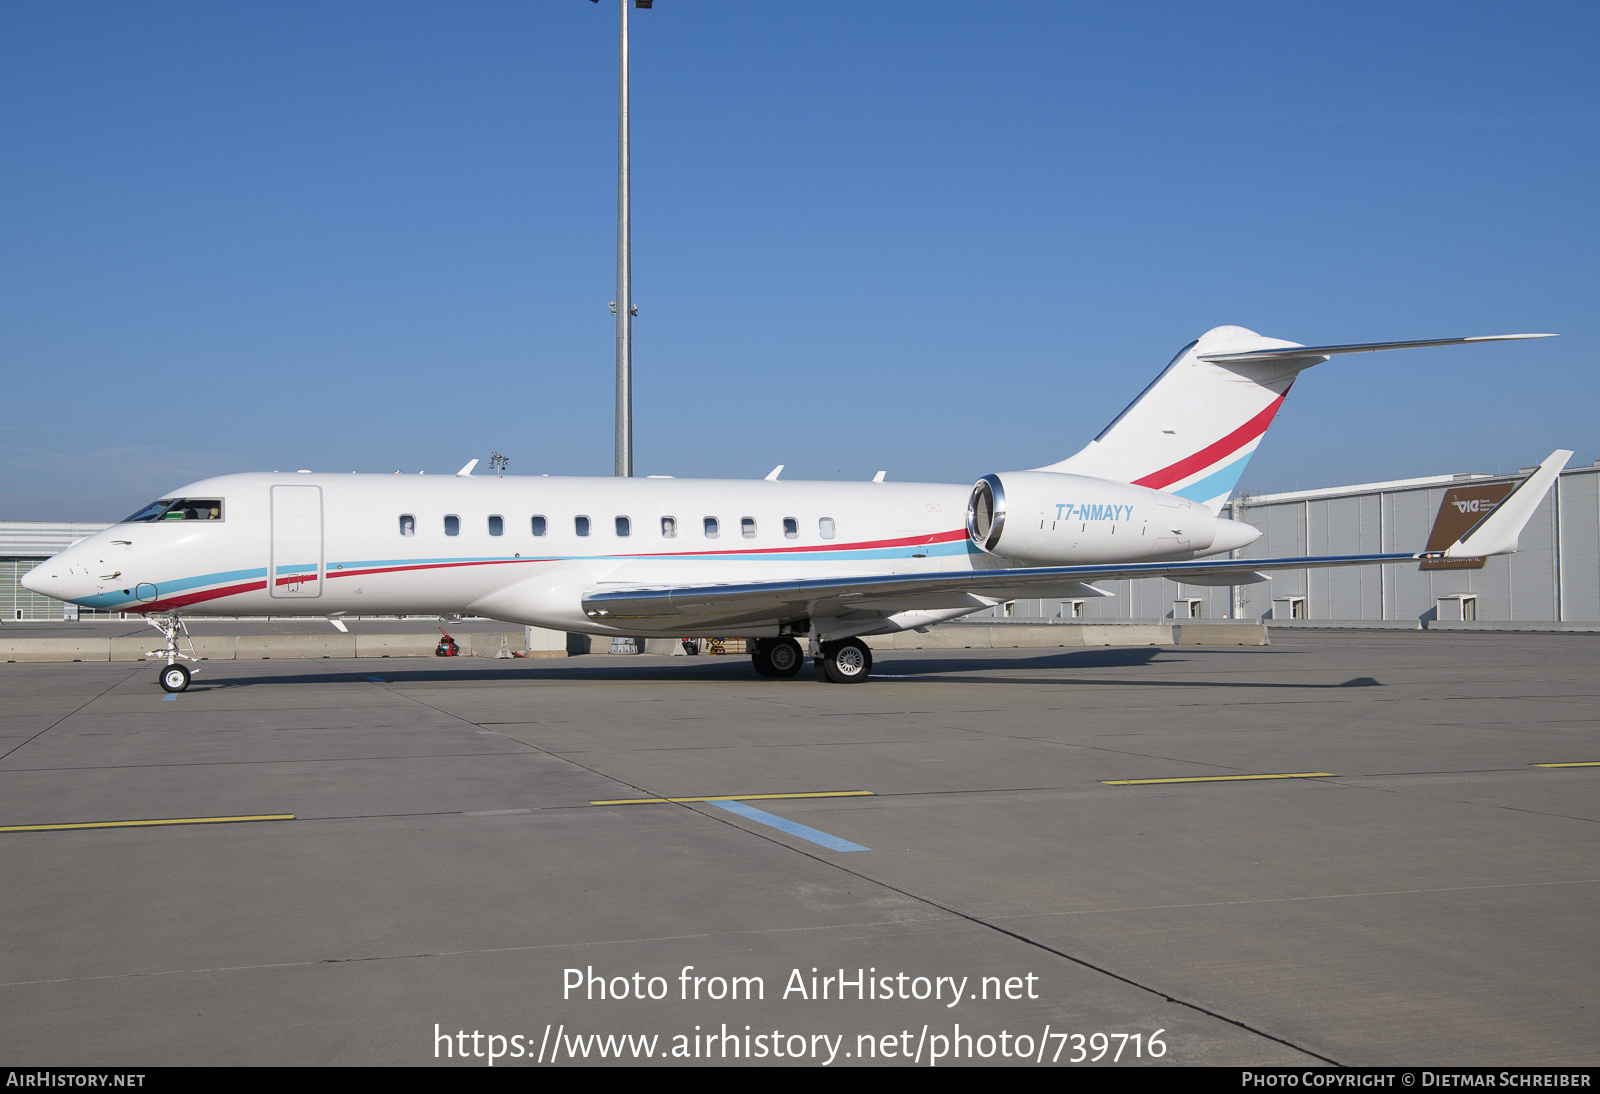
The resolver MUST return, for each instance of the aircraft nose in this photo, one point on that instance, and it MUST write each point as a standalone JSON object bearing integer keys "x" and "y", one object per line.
{"x": 52, "y": 578}
{"x": 40, "y": 580}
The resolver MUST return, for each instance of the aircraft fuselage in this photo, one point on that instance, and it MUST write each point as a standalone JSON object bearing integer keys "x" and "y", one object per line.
{"x": 524, "y": 548}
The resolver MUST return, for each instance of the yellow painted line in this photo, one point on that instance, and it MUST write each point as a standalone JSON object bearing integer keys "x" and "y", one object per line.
{"x": 1579, "y": 763}
{"x": 736, "y": 797}
{"x": 1221, "y": 778}
{"x": 144, "y": 823}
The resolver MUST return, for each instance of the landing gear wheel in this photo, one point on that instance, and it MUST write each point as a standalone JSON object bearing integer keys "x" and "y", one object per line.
{"x": 777, "y": 658}
{"x": 784, "y": 657}
{"x": 175, "y": 678}
{"x": 761, "y": 660}
{"x": 847, "y": 662}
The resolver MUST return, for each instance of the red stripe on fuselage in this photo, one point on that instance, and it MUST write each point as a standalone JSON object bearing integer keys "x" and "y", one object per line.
{"x": 872, "y": 545}
{"x": 186, "y": 599}
{"x": 430, "y": 566}
{"x": 1211, "y": 453}
{"x": 168, "y": 604}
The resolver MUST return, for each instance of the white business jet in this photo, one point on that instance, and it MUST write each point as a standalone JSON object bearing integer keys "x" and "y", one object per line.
{"x": 779, "y": 562}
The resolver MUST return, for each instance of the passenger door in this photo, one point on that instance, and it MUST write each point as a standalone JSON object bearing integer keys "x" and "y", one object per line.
{"x": 296, "y": 569}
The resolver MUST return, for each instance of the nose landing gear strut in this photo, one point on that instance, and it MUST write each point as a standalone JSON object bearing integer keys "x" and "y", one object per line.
{"x": 175, "y": 676}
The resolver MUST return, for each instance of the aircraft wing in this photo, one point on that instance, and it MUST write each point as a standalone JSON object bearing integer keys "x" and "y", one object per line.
{"x": 751, "y": 602}
{"x": 899, "y": 592}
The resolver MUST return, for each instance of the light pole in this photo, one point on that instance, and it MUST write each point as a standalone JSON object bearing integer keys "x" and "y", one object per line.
{"x": 622, "y": 306}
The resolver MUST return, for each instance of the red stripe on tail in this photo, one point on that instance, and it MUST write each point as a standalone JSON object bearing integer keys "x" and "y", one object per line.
{"x": 1211, "y": 453}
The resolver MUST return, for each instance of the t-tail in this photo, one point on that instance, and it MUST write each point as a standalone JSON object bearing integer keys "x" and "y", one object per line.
{"x": 1193, "y": 430}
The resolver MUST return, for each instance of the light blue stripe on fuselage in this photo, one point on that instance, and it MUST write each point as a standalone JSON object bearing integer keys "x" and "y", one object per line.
{"x": 176, "y": 585}
{"x": 930, "y": 550}
{"x": 114, "y": 601}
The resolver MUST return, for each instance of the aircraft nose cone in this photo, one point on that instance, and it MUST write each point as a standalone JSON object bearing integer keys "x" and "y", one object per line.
{"x": 54, "y": 579}
{"x": 40, "y": 580}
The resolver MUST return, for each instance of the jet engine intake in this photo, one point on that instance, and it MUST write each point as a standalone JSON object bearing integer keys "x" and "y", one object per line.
{"x": 1046, "y": 518}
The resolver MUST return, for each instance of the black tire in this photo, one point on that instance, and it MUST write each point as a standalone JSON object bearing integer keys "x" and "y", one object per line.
{"x": 847, "y": 662}
{"x": 175, "y": 678}
{"x": 761, "y": 658}
{"x": 785, "y": 658}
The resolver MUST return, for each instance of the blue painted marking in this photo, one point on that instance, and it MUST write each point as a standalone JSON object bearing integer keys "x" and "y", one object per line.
{"x": 114, "y": 600}
{"x": 169, "y": 698}
{"x": 284, "y": 570}
{"x": 1217, "y": 484}
{"x": 377, "y": 680}
{"x": 368, "y": 563}
{"x": 832, "y": 843}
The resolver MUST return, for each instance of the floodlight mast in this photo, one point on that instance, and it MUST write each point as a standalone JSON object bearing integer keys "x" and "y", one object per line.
{"x": 623, "y": 305}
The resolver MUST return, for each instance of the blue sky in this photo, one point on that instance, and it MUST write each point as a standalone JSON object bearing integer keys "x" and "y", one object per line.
{"x": 937, "y": 239}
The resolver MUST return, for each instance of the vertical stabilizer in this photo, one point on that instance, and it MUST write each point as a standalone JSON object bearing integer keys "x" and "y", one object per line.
{"x": 1193, "y": 430}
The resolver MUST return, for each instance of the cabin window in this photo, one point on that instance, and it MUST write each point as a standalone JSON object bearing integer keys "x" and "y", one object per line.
{"x": 408, "y": 524}
{"x": 791, "y": 528}
{"x": 497, "y": 526}
{"x": 178, "y": 509}
{"x": 539, "y": 526}
{"x": 825, "y": 527}
{"x": 669, "y": 527}
{"x": 452, "y": 525}
{"x": 747, "y": 527}
{"x": 624, "y": 527}
{"x": 580, "y": 525}
{"x": 711, "y": 527}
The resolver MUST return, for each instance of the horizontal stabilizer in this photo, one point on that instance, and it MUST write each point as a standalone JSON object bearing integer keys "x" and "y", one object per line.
{"x": 1496, "y": 534}
{"x": 1290, "y": 352}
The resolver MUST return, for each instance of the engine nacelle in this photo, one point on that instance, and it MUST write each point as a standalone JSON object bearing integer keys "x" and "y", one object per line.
{"x": 1043, "y": 518}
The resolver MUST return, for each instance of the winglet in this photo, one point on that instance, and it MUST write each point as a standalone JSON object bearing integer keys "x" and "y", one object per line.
{"x": 1496, "y": 534}
{"x": 466, "y": 472}
{"x": 772, "y": 476}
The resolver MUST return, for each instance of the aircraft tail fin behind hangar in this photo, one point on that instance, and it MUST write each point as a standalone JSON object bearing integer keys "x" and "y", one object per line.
{"x": 1193, "y": 430}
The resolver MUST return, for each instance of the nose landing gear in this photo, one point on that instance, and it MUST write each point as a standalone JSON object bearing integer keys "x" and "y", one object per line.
{"x": 175, "y": 677}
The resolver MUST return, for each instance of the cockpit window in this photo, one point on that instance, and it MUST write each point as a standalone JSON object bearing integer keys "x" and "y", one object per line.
{"x": 178, "y": 509}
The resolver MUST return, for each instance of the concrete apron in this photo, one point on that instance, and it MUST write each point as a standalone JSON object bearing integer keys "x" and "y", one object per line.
{"x": 262, "y": 647}
{"x": 966, "y": 636}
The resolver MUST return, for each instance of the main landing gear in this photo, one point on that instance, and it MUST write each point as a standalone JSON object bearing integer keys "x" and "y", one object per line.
{"x": 175, "y": 676}
{"x": 778, "y": 658}
{"x": 844, "y": 662}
